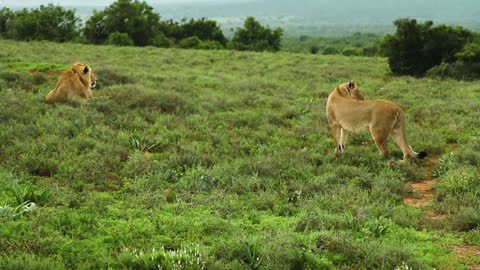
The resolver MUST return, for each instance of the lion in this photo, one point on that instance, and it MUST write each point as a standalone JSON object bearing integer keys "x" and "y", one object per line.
{"x": 74, "y": 85}
{"x": 348, "y": 111}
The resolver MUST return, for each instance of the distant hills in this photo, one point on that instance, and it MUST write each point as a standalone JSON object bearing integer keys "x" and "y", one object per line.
{"x": 313, "y": 17}
{"x": 331, "y": 17}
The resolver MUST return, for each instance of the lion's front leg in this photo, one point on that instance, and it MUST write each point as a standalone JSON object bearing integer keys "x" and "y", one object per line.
{"x": 343, "y": 139}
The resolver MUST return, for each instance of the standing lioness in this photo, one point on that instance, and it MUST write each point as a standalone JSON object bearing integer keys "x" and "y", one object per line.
{"x": 348, "y": 111}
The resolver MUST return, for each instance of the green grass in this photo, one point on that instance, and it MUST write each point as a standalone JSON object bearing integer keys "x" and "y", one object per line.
{"x": 223, "y": 160}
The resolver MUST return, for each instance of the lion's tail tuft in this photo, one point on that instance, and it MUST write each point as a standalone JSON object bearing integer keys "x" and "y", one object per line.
{"x": 422, "y": 155}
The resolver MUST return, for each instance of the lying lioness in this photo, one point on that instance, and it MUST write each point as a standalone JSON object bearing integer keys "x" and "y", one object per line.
{"x": 348, "y": 111}
{"x": 73, "y": 85}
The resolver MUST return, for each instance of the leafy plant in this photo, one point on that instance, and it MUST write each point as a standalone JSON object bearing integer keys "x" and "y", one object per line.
{"x": 142, "y": 147}
{"x": 29, "y": 195}
{"x": 252, "y": 254}
{"x": 10, "y": 213}
{"x": 377, "y": 227}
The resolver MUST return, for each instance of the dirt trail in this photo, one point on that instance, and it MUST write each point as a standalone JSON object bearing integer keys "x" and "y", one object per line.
{"x": 422, "y": 195}
{"x": 422, "y": 192}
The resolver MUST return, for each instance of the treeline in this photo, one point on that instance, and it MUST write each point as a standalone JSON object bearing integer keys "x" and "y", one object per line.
{"x": 417, "y": 49}
{"x": 131, "y": 22}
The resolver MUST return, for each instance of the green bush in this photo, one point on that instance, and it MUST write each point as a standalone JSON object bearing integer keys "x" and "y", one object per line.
{"x": 416, "y": 48}
{"x": 162, "y": 41}
{"x": 211, "y": 45}
{"x": 135, "y": 18}
{"x": 190, "y": 43}
{"x": 45, "y": 23}
{"x": 255, "y": 37}
{"x": 119, "y": 39}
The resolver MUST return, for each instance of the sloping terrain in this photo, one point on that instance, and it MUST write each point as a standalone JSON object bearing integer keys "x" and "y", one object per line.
{"x": 223, "y": 160}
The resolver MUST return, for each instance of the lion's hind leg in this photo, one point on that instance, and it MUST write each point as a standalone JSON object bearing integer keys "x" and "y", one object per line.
{"x": 380, "y": 138}
{"x": 50, "y": 98}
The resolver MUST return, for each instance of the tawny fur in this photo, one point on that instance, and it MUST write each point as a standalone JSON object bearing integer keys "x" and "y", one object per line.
{"x": 74, "y": 85}
{"x": 348, "y": 111}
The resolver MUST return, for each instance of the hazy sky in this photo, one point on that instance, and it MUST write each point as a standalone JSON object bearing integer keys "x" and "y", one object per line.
{"x": 98, "y": 2}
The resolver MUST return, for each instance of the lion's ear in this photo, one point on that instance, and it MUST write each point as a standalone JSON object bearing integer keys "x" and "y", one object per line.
{"x": 352, "y": 84}
{"x": 74, "y": 71}
{"x": 85, "y": 70}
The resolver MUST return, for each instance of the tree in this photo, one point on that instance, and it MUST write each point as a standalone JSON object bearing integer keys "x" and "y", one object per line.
{"x": 46, "y": 23}
{"x": 137, "y": 19}
{"x": 416, "y": 48}
{"x": 204, "y": 29}
{"x": 5, "y": 15}
{"x": 255, "y": 37}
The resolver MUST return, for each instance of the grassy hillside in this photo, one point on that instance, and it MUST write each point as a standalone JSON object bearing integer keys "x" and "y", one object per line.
{"x": 191, "y": 159}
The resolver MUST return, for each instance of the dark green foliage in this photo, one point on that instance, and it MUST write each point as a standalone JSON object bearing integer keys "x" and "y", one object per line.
{"x": 466, "y": 67}
{"x": 137, "y": 21}
{"x": 190, "y": 42}
{"x": 135, "y": 18}
{"x": 415, "y": 48}
{"x": 162, "y": 41}
{"x": 255, "y": 37}
{"x": 5, "y": 15}
{"x": 119, "y": 39}
{"x": 204, "y": 29}
{"x": 470, "y": 54}
{"x": 45, "y": 23}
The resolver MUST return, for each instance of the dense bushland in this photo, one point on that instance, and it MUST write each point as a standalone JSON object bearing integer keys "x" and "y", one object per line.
{"x": 223, "y": 160}
{"x": 49, "y": 22}
{"x": 420, "y": 48}
{"x": 131, "y": 22}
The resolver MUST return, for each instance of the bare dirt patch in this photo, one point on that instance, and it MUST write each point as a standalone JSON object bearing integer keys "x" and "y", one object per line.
{"x": 467, "y": 252}
{"x": 422, "y": 191}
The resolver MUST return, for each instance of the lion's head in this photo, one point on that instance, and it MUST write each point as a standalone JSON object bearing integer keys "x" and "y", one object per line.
{"x": 86, "y": 74}
{"x": 352, "y": 90}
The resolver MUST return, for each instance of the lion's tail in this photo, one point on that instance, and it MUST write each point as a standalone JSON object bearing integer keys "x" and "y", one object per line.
{"x": 401, "y": 137}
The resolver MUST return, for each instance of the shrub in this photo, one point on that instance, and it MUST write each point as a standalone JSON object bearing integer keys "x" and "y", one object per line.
{"x": 119, "y": 39}
{"x": 211, "y": 45}
{"x": 470, "y": 54}
{"x": 255, "y": 37}
{"x": 314, "y": 49}
{"x": 466, "y": 67}
{"x": 160, "y": 40}
{"x": 204, "y": 29}
{"x": 416, "y": 48}
{"x": 190, "y": 43}
{"x": 329, "y": 50}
